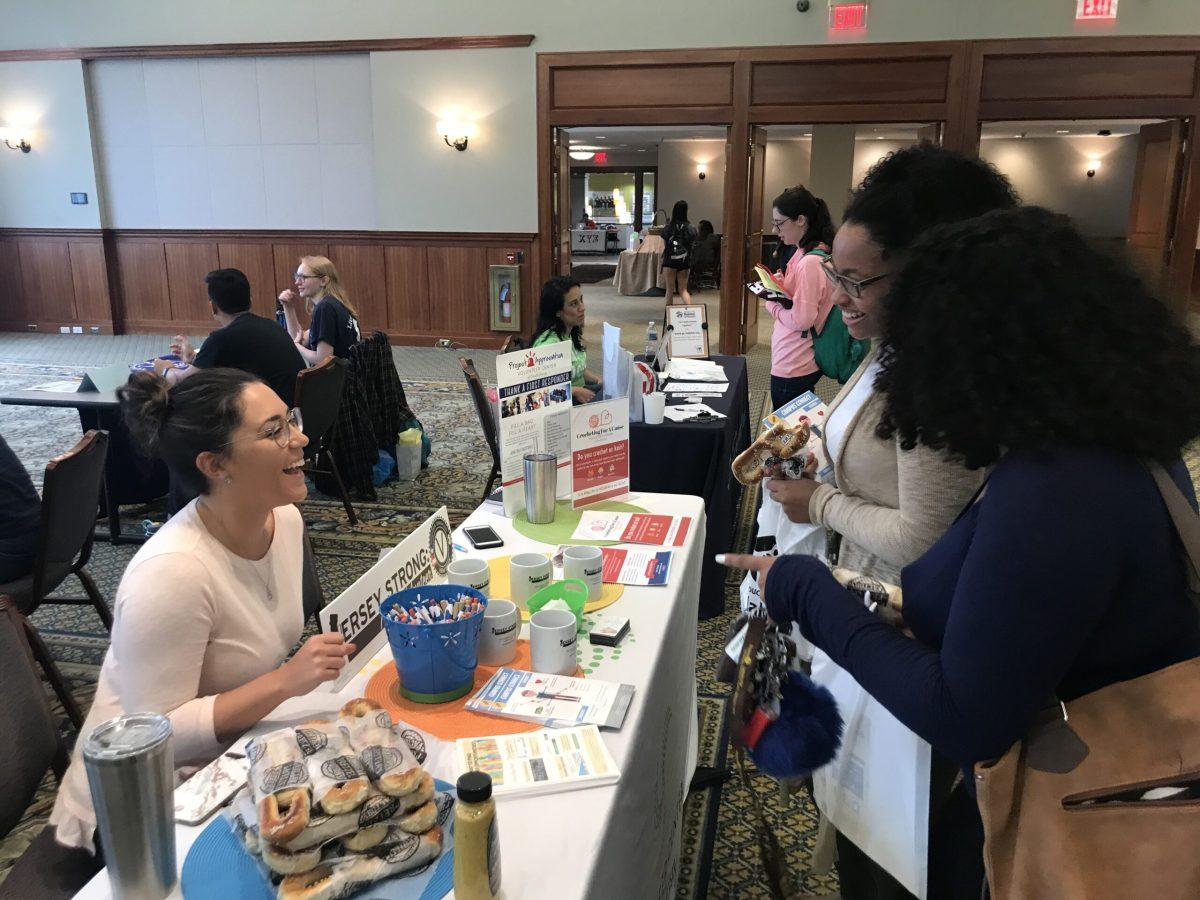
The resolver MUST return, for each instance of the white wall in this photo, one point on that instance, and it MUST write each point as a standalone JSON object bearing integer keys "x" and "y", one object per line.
{"x": 247, "y": 142}
{"x": 677, "y": 179}
{"x": 422, "y": 184}
{"x": 35, "y": 187}
{"x": 786, "y": 165}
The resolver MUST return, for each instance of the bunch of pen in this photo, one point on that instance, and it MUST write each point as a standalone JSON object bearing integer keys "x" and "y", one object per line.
{"x": 433, "y": 612}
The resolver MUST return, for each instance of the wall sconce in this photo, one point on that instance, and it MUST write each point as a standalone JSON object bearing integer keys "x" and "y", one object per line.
{"x": 1093, "y": 166}
{"x": 456, "y": 133}
{"x": 9, "y": 135}
{"x": 701, "y": 170}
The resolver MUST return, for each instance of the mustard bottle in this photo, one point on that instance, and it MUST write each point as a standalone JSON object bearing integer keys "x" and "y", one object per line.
{"x": 476, "y": 842}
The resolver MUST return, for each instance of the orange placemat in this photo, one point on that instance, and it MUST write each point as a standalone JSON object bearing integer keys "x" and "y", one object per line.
{"x": 500, "y": 587}
{"x": 450, "y": 721}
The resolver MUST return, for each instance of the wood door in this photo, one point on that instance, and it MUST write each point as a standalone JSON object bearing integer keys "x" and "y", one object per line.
{"x": 754, "y": 233}
{"x": 1155, "y": 199}
{"x": 562, "y": 201}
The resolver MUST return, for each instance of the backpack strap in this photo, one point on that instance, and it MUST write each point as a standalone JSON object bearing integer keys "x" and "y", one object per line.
{"x": 1186, "y": 522}
{"x": 821, "y": 252}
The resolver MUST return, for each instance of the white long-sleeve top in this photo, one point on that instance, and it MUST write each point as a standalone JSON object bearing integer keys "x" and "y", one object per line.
{"x": 192, "y": 620}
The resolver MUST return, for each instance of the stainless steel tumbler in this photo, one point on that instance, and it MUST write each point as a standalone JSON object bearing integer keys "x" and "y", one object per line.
{"x": 541, "y": 486}
{"x": 131, "y": 771}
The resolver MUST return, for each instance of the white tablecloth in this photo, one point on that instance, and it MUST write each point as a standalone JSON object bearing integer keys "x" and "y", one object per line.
{"x": 619, "y": 840}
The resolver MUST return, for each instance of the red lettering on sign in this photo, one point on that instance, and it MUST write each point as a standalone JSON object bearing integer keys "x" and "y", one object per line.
{"x": 848, "y": 17}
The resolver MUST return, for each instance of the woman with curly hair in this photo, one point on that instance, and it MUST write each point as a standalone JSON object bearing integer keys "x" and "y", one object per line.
{"x": 1011, "y": 343}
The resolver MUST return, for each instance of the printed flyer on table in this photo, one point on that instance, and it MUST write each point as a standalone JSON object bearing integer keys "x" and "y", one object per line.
{"x": 599, "y": 451}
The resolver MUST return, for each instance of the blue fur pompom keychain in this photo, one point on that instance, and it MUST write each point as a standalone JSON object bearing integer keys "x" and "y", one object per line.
{"x": 807, "y": 734}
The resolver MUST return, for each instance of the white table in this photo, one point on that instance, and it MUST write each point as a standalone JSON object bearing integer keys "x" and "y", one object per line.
{"x": 620, "y": 840}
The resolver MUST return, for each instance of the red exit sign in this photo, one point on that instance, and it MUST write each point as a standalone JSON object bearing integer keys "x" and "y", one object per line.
{"x": 848, "y": 17}
{"x": 601, "y": 158}
{"x": 1091, "y": 10}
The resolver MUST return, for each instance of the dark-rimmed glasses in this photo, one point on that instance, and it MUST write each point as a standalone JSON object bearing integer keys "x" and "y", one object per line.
{"x": 850, "y": 286}
{"x": 278, "y": 430}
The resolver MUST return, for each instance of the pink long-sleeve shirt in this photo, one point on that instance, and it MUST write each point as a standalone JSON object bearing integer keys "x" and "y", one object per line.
{"x": 812, "y": 298}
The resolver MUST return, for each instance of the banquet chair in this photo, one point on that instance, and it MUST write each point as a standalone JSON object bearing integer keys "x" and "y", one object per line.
{"x": 70, "y": 499}
{"x": 318, "y": 397}
{"x": 30, "y": 744}
{"x": 483, "y": 409}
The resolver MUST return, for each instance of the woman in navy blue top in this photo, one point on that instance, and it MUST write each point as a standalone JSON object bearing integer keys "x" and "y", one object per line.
{"x": 1010, "y": 342}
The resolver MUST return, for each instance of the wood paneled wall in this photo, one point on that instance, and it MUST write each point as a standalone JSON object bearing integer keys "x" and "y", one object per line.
{"x": 415, "y": 287}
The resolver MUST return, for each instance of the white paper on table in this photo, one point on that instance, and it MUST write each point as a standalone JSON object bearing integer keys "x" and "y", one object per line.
{"x": 696, "y": 387}
{"x": 653, "y": 529}
{"x": 876, "y": 790}
{"x": 540, "y": 762}
{"x": 695, "y": 370}
{"x": 59, "y": 387}
{"x": 691, "y": 411}
{"x": 553, "y": 701}
{"x": 637, "y": 567}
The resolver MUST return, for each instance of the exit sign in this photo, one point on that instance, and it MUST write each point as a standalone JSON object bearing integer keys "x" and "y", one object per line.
{"x": 1091, "y": 10}
{"x": 847, "y": 16}
{"x": 601, "y": 158}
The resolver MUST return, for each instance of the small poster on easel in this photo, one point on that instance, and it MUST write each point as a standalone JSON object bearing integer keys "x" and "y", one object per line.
{"x": 687, "y": 330}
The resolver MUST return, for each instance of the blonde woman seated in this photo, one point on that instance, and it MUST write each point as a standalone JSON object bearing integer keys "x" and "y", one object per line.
{"x": 334, "y": 326}
{"x": 209, "y": 608}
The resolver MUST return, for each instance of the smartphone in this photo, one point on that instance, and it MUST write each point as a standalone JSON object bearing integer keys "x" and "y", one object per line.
{"x": 483, "y": 538}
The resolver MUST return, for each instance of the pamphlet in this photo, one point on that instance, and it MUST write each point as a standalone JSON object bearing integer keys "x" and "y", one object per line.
{"x": 642, "y": 568}
{"x": 768, "y": 280}
{"x": 540, "y": 762}
{"x": 633, "y": 528}
{"x": 808, "y": 406}
{"x": 599, "y": 451}
{"x": 556, "y": 701}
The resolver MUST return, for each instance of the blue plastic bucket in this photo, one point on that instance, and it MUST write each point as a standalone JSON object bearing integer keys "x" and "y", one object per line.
{"x": 436, "y": 662}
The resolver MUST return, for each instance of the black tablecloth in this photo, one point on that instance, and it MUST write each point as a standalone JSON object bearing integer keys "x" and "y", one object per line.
{"x": 694, "y": 458}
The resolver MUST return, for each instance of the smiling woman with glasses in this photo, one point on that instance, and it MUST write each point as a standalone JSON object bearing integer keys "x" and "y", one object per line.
{"x": 210, "y": 607}
{"x": 334, "y": 328}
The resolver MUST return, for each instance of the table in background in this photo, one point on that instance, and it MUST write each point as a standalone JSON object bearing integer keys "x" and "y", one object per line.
{"x": 638, "y": 271}
{"x": 695, "y": 458}
{"x": 129, "y": 477}
{"x": 619, "y": 840}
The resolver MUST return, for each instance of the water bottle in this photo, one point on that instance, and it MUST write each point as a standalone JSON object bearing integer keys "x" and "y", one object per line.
{"x": 651, "y": 341}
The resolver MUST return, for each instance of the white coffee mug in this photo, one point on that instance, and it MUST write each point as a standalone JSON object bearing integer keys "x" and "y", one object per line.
{"x": 552, "y": 642}
{"x": 586, "y": 564}
{"x": 471, "y": 571}
{"x": 653, "y": 406}
{"x": 528, "y": 573}
{"x": 498, "y": 639}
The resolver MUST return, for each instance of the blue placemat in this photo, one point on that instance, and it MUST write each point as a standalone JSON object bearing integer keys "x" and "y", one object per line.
{"x": 218, "y": 867}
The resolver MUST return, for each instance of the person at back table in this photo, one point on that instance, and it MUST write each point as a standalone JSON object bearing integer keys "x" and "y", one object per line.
{"x": 244, "y": 341}
{"x": 334, "y": 326}
{"x": 560, "y": 318}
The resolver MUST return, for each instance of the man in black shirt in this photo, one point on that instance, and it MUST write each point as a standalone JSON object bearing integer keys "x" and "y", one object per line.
{"x": 244, "y": 341}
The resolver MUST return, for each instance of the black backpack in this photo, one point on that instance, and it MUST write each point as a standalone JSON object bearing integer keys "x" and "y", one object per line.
{"x": 679, "y": 247}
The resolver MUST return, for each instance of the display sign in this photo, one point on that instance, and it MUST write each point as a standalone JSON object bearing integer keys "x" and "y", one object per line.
{"x": 534, "y": 391}
{"x": 599, "y": 452}
{"x": 847, "y": 16}
{"x": 419, "y": 559}
{"x": 687, "y": 330}
{"x": 1095, "y": 10}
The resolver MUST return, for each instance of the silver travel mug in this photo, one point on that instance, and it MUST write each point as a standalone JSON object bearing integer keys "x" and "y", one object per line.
{"x": 541, "y": 486}
{"x": 131, "y": 771}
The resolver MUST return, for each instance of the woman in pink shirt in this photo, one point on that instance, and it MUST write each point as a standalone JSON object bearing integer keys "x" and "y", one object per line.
{"x": 803, "y": 222}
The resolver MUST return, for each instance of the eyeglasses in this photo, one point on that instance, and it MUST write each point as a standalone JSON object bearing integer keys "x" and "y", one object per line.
{"x": 300, "y": 276}
{"x": 851, "y": 287}
{"x": 279, "y": 431}
{"x": 779, "y": 223}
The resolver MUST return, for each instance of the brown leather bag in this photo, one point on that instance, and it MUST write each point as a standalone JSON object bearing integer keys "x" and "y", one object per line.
{"x": 1063, "y": 814}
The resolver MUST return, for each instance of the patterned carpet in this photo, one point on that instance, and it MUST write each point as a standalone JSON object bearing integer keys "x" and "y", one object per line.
{"x": 720, "y": 857}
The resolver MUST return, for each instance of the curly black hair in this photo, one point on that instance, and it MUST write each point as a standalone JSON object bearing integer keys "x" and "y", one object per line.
{"x": 913, "y": 189}
{"x": 1009, "y": 332}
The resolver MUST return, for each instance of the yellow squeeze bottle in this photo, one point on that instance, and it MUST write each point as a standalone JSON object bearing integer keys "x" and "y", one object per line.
{"x": 476, "y": 843}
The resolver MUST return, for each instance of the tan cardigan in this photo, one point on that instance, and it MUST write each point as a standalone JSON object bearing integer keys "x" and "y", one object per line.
{"x": 889, "y": 505}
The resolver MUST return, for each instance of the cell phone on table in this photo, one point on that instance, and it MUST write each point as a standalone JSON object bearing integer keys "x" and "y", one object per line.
{"x": 483, "y": 537}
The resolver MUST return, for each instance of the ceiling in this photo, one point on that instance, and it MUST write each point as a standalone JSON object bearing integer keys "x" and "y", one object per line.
{"x": 1066, "y": 128}
{"x": 629, "y": 139}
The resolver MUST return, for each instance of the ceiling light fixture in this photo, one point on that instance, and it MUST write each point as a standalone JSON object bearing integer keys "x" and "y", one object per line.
{"x": 582, "y": 155}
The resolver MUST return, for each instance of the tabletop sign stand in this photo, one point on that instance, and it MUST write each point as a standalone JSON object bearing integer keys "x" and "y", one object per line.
{"x": 685, "y": 328}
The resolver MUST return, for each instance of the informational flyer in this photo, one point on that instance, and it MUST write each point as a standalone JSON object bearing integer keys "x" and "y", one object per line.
{"x": 541, "y": 762}
{"x": 556, "y": 701}
{"x": 640, "y": 568}
{"x": 534, "y": 392}
{"x": 599, "y": 452}
{"x": 633, "y": 528}
{"x": 687, "y": 330}
{"x": 810, "y": 408}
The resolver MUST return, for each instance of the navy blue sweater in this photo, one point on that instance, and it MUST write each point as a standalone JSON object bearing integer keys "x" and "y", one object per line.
{"x": 1065, "y": 577}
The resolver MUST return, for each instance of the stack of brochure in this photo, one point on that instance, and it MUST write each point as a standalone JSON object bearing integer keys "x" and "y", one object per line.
{"x": 540, "y": 762}
{"x": 555, "y": 701}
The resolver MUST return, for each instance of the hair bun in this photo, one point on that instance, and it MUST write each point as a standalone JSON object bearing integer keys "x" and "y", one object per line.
{"x": 146, "y": 404}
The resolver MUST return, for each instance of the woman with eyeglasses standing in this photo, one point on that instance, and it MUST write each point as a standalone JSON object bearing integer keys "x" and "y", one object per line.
{"x": 802, "y": 221}
{"x": 885, "y": 505}
{"x": 209, "y": 608}
{"x": 334, "y": 326}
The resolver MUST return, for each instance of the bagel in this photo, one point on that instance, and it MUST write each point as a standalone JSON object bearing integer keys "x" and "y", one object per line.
{"x": 285, "y": 863}
{"x": 318, "y": 884}
{"x": 363, "y": 706}
{"x": 400, "y": 852}
{"x": 378, "y": 809}
{"x": 365, "y": 838}
{"x": 339, "y": 780}
{"x": 284, "y": 815}
{"x": 420, "y": 820}
{"x": 779, "y": 442}
{"x": 346, "y": 796}
{"x": 419, "y": 797}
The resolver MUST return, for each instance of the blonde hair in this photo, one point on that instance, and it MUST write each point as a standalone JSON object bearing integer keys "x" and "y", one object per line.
{"x": 322, "y": 267}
